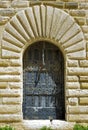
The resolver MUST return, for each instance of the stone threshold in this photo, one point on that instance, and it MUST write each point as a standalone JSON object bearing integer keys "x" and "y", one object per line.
{"x": 55, "y": 124}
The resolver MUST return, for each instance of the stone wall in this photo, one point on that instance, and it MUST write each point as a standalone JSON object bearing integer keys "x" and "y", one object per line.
{"x": 62, "y": 22}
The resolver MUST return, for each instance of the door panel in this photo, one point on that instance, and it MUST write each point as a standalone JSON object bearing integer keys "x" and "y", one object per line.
{"x": 43, "y": 82}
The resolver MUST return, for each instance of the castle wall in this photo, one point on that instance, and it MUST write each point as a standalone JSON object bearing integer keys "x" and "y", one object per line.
{"x": 24, "y": 22}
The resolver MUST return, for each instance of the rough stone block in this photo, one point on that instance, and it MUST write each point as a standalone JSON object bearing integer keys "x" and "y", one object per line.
{"x": 32, "y": 3}
{"x": 78, "y": 46}
{"x": 80, "y": 20}
{"x": 83, "y": 101}
{"x": 87, "y": 21}
{"x": 87, "y": 46}
{"x": 78, "y": 13}
{"x": 12, "y": 36}
{"x": 83, "y": 63}
{"x": 78, "y": 109}
{"x": 38, "y": 19}
{"x": 78, "y": 118}
{"x": 3, "y": 85}
{"x": 11, "y": 100}
{"x": 4, "y": 4}
{"x": 87, "y": 55}
{"x": 10, "y": 109}
{"x": 59, "y": 4}
{"x": 9, "y": 54}
{"x": 4, "y": 20}
{"x": 77, "y": 93}
{"x": 83, "y": 5}
{"x": 10, "y": 93}
{"x": 73, "y": 93}
{"x": 72, "y": 63}
{"x": 10, "y": 118}
{"x": 77, "y": 55}
{"x": 19, "y": 4}
{"x": 15, "y": 85}
{"x": 32, "y": 21}
{"x": 15, "y": 62}
{"x": 77, "y": 71}
{"x": 83, "y": 78}
{"x": 75, "y": 29}
{"x": 9, "y": 46}
{"x": 49, "y": 20}
{"x": 86, "y": 13}
{"x": 10, "y": 78}
{"x": 73, "y": 101}
{"x": 72, "y": 78}
{"x": 76, "y": 39}
{"x": 85, "y": 29}
{"x": 72, "y": 85}
{"x": 56, "y": 31}
{"x": 83, "y": 93}
{"x": 10, "y": 70}
{"x": 86, "y": 36}
{"x": 4, "y": 62}
{"x": 7, "y": 12}
{"x": 71, "y": 5}
{"x": 84, "y": 85}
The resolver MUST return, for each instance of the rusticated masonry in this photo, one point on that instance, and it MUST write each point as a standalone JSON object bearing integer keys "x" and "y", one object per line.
{"x": 43, "y": 23}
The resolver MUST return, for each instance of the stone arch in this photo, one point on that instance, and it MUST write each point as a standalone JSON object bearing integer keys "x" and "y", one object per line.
{"x": 37, "y": 23}
{"x": 43, "y": 22}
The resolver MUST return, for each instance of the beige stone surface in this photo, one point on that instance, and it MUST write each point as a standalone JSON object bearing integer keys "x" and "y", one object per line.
{"x": 3, "y": 85}
{"x": 15, "y": 85}
{"x": 72, "y": 78}
{"x": 84, "y": 85}
{"x": 76, "y": 39}
{"x": 4, "y": 20}
{"x": 10, "y": 117}
{"x": 83, "y": 78}
{"x": 80, "y": 20}
{"x": 43, "y": 9}
{"x": 63, "y": 32}
{"x": 79, "y": 13}
{"x": 78, "y": 118}
{"x": 10, "y": 78}
{"x": 81, "y": 54}
{"x": 4, "y": 4}
{"x": 10, "y": 92}
{"x": 78, "y": 109}
{"x": 85, "y": 29}
{"x": 13, "y": 33}
{"x": 37, "y": 15}
{"x": 77, "y": 71}
{"x": 10, "y": 109}
{"x": 19, "y": 4}
{"x": 10, "y": 70}
{"x": 65, "y": 24}
{"x": 24, "y": 21}
{"x": 9, "y": 54}
{"x": 77, "y": 93}
{"x": 72, "y": 63}
{"x": 72, "y": 85}
{"x": 11, "y": 100}
{"x": 73, "y": 101}
{"x": 83, "y": 63}
{"x": 83, "y": 101}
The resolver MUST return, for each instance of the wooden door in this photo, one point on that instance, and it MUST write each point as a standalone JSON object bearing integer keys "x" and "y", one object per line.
{"x": 43, "y": 82}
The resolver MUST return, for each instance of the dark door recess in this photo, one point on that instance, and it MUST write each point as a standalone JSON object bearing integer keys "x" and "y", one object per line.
{"x": 43, "y": 82}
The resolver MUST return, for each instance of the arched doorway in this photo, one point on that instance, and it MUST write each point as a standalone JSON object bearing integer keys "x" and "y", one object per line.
{"x": 43, "y": 82}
